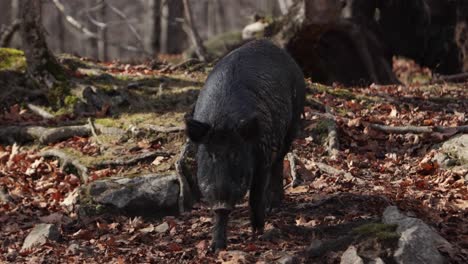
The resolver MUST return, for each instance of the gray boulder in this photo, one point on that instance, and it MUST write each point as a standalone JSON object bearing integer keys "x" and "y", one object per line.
{"x": 39, "y": 236}
{"x": 418, "y": 243}
{"x": 152, "y": 194}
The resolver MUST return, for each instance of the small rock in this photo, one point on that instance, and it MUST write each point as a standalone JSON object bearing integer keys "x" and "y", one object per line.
{"x": 73, "y": 248}
{"x": 162, "y": 228}
{"x": 350, "y": 256}
{"x": 418, "y": 243}
{"x": 235, "y": 257}
{"x": 40, "y": 234}
{"x": 288, "y": 260}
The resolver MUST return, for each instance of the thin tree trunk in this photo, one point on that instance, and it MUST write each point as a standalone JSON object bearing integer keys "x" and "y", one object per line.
{"x": 152, "y": 26}
{"x": 103, "y": 41}
{"x": 61, "y": 32}
{"x": 196, "y": 40}
{"x": 163, "y": 37}
{"x": 42, "y": 65}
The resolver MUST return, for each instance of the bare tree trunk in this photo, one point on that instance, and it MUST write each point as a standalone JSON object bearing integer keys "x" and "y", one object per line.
{"x": 153, "y": 26}
{"x": 212, "y": 25}
{"x": 42, "y": 65}
{"x": 199, "y": 48}
{"x": 61, "y": 32}
{"x": 103, "y": 40}
{"x": 164, "y": 32}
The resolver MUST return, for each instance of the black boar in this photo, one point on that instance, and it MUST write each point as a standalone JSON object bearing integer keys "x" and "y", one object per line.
{"x": 243, "y": 123}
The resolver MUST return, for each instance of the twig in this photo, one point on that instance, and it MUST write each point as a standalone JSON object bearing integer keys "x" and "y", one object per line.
{"x": 40, "y": 112}
{"x": 88, "y": 33}
{"x": 9, "y": 32}
{"x": 196, "y": 40}
{"x": 93, "y": 130}
{"x": 127, "y": 161}
{"x": 161, "y": 129}
{"x": 130, "y": 26}
{"x": 65, "y": 161}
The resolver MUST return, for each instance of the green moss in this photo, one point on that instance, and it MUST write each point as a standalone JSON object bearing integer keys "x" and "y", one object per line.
{"x": 108, "y": 122}
{"x": 378, "y": 230}
{"x": 12, "y": 59}
{"x": 71, "y": 100}
{"x": 57, "y": 94}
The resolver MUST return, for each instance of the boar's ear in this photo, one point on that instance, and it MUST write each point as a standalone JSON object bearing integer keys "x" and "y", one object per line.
{"x": 249, "y": 128}
{"x": 196, "y": 130}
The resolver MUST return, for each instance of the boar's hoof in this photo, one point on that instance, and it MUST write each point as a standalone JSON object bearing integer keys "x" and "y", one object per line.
{"x": 217, "y": 246}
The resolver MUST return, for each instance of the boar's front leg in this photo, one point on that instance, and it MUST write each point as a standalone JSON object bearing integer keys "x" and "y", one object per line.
{"x": 220, "y": 229}
{"x": 258, "y": 200}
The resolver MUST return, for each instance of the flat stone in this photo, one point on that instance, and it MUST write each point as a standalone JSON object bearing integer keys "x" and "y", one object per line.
{"x": 39, "y": 236}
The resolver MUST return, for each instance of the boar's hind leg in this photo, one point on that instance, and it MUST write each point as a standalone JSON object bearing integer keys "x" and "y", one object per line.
{"x": 258, "y": 199}
{"x": 220, "y": 230}
{"x": 276, "y": 185}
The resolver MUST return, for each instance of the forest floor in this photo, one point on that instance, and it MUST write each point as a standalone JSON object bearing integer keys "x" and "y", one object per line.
{"x": 343, "y": 186}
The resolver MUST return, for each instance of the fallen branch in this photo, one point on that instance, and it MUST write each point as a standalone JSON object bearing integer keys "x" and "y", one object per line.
{"x": 402, "y": 129}
{"x": 127, "y": 161}
{"x": 65, "y": 161}
{"x": 161, "y": 129}
{"x": 336, "y": 172}
{"x": 459, "y": 77}
{"x": 418, "y": 129}
{"x": 39, "y": 111}
{"x": 43, "y": 135}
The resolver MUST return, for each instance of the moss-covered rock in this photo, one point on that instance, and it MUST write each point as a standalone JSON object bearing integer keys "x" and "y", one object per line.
{"x": 12, "y": 59}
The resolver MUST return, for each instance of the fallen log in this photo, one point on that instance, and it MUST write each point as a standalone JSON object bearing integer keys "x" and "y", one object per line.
{"x": 43, "y": 135}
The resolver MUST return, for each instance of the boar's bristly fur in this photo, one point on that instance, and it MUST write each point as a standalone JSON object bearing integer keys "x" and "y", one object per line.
{"x": 243, "y": 123}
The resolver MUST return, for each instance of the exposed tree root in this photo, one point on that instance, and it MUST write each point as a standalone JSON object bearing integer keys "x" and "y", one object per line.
{"x": 126, "y": 161}
{"x": 93, "y": 131}
{"x": 66, "y": 160}
{"x": 161, "y": 129}
{"x": 336, "y": 172}
{"x": 43, "y": 135}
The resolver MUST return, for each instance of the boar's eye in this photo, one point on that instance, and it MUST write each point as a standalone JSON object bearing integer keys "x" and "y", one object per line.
{"x": 196, "y": 130}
